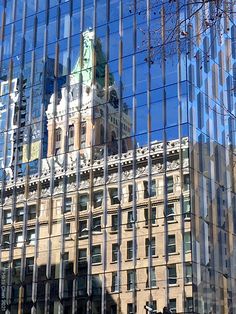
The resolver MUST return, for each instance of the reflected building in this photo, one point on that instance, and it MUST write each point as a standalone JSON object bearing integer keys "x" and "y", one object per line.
{"x": 117, "y": 175}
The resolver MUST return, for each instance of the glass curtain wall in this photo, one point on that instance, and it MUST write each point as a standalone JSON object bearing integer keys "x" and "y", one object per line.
{"x": 106, "y": 124}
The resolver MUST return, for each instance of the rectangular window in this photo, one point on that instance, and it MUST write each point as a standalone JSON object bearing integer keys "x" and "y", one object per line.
{"x": 97, "y": 224}
{"x": 114, "y": 283}
{"x": 82, "y": 285}
{"x": 172, "y": 305}
{"x": 18, "y": 239}
{"x": 58, "y": 138}
{"x": 172, "y": 275}
{"x": 188, "y": 273}
{"x": 170, "y": 213}
{"x": 96, "y": 254}
{"x": 31, "y": 212}
{"x": 82, "y": 134}
{"x": 6, "y": 241}
{"x": 130, "y": 308}
{"x": 114, "y": 196}
{"x": 130, "y": 280}
{"x": 152, "y": 189}
{"x": 31, "y": 237}
{"x": 7, "y": 217}
{"x": 68, "y": 204}
{"x": 16, "y": 270}
{"x": 19, "y": 214}
{"x": 130, "y": 187}
{"x": 186, "y": 184}
{"x": 67, "y": 230}
{"x": 153, "y": 218}
{"x": 71, "y": 134}
{"x": 29, "y": 266}
{"x": 82, "y": 256}
{"x": 67, "y": 265}
{"x": 130, "y": 220}
{"x": 152, "y": 278}
{"x": 83, "y": 202}
{"x": 83, "y": 230}
{"x": 28, "y": 292}
{"x": 187, "y": 242}
{"x": 114, "y": 222}
{"x": 189, "y": 305}
{"x": 97, "y": 199}
{"x": 171, "y": 244}
{"x": 145, "y": 189}
{"x": 187, "y": 209}
{"x": 129, "y": 249}
{"x": 115, "y": 249}
{"x": 170, "y": 184}
{"x": 96, "y": 285}
{"x": 150, "y": 245}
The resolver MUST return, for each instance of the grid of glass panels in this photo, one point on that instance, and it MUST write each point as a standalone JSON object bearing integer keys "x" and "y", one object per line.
{"x": 99, "y": 139}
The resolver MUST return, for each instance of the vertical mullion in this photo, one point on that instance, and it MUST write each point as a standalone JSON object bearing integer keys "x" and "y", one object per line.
{"x": 182, "y": 225}
{"x": 150, "y": 261}
{"x": 163, "y": 20}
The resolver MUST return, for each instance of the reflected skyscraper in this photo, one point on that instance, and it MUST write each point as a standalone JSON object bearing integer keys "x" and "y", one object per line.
{"x": 117, "y": 158}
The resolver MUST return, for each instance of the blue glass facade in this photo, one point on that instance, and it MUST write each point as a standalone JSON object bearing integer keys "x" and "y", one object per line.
{"x": 117, "y": 156}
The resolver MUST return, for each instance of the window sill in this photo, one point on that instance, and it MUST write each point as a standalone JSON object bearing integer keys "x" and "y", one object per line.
{"x": 187, "y": 219}
{"x": 173, "y": 285}
{"x": 115, "y": 292}
{"x": 188, "y": 283}
{"x": 132, "y": 259}
{"x": 152, "y": 288}
{"x": 131, "y": 229}
{"x": 97, "y": 208}
{"x": 113, "y": 231}
{"x": 67, "y": 213}
{"x": 153, "y": 225}
{"x": 152, "y": 256}
{"x": 132, "y": 290}
{"x": 96, "y": 264}
{"x": 172, "y": 254}
{"x": 69, "y": 239}
{"x": 113, "y": 262}
{"x": 171, "y": 222}
{"x": 83, "y": 237}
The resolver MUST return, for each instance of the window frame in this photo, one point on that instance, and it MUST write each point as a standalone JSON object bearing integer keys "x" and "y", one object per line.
{"x": 172, "y": 278}
{"x": 115, "y": 252}
{"x": 152, "y": 243}
{"x": 96, "y": 255}
{"x": 171, "y": 247}
{"x": 130, "y": 251}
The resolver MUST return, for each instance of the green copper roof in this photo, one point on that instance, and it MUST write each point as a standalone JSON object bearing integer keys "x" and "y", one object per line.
{"x": 84, "y": 68}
